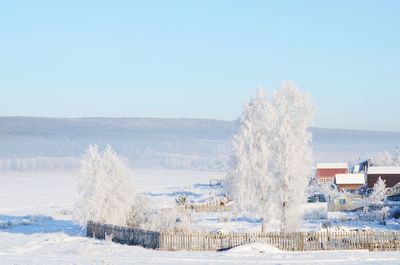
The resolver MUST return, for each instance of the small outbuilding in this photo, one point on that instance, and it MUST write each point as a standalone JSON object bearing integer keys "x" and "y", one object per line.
{"x": 349, "y": 182}
{"x": 391, "y": 176}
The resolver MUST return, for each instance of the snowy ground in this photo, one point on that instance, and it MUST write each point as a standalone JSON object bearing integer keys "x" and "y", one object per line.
{"x": 36, "y": 226}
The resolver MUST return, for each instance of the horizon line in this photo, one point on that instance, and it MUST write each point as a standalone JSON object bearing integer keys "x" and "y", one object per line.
{"x": 180, "y": 118}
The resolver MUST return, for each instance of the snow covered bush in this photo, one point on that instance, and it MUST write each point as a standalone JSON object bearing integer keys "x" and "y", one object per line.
{"x": 173, "y": 219}
{"x": 384, "y": 212}
{"x": 330, "y": 190}
{"x": 181, "y": 200}
{"x": 273, "y": 158}
{"x": 140, "y": 214}
{"x": 105, "y": 190}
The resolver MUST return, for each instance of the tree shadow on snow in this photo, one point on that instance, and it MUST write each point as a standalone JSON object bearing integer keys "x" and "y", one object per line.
{"x": 174, "y": 194}
{"x": 31, "y": 224}
{"x": 204, "y": 186}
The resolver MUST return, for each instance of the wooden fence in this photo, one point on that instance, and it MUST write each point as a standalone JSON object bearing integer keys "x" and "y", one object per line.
{"x": 124, "y": 235}
{"x": 296, "y": 241}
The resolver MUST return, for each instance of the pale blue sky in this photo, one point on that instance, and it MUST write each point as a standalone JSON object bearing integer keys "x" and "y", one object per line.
{"x": 200, "y": 59}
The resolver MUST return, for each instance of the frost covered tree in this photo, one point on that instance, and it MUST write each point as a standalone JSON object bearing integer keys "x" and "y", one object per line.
{"x": 105, "y": 190}
{"x": 248, "y": 181}
{"x": 396, "y": 157}
{"x": 382, "y": 159}
{"x": 387, "y": 158}
{"x": 379, "y": 192}
{"x": 291, "y": 152}
{"x": 272, "y": 157}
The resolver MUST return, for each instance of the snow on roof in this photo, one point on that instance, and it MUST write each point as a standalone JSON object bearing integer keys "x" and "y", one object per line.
{"x": 384, "y": 170}
{"x": 350, "y": 179}
{"x": 332, "y": 165}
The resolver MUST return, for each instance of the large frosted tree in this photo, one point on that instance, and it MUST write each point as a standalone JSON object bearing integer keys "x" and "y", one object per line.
{"x": 249, "y": 183}
{"x": 272, "y": 157}
{"x": 105, "y": 190}
{"x": 291, "y": 153}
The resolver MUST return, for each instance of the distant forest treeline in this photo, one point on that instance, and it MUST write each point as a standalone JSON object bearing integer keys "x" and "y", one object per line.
{"x": 28, "y": 143}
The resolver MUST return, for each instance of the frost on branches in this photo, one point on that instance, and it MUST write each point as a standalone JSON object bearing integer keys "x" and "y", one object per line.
{"x": 105, "y": 190}
{"x": 386, "y": 158}
{"x": 379, "y": 192}
{"x": 273, "y": 157}
{"x": 248, "y": 181}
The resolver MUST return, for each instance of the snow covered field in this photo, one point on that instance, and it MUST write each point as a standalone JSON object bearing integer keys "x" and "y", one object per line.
{"x": 36, "y": 226}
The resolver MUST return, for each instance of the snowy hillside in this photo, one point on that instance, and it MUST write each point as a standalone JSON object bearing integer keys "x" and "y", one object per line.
{"x": 52, "y": 143}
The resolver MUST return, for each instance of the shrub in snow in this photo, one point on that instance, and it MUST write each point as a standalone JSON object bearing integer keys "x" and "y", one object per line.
{"x": 330, "y": 191}
{"x": 181, "y": 200}
{"x": 273, "y": 158}
{"x": 384, "y": 212}
{"x": 169, "y": 220}
{"x": 140, "y": 213}
{"x": 105, "y": 190}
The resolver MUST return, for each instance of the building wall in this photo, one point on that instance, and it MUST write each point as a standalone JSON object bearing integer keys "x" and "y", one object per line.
{"x": 328, "y": 174}
{"x": 348, "y": 186}
{"x": 391, "y": 179}
{"x": 326, "y": 179}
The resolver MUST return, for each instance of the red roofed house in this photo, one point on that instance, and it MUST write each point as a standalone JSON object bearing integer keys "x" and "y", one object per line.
{"x": 326, "y": 171}
{"x": 349, "y": 182}
{"x": 391, "y": 176}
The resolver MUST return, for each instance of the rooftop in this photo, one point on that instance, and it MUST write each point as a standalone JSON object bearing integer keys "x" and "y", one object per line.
{"x": 350, "y": 179}
{"x": 384, "y": 170}
{"x": 332, "y": 165}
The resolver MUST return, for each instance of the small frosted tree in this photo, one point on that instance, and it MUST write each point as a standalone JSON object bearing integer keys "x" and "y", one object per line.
{"x": 105, "y": 190}
{"x": 379, "y": 192}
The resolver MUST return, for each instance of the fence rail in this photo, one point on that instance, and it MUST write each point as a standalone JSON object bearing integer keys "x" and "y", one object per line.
{"x": 124, "y": 235}
{"x": 296, "y": 241}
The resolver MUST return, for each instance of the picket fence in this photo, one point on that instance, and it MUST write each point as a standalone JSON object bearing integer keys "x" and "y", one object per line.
{"x": 124, "y": 235}
{"x": 296, "y": 241}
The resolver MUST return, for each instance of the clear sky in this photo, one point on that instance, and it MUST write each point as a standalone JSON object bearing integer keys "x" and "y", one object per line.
{"x": 200, "y": 59}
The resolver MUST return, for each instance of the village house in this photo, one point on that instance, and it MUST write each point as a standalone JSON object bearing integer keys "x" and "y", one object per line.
{"x": 326, "y": 171}
{"x": 391, "y": 176}
{"x": 349, "y": 182}
{"x": 361, "y": 167}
